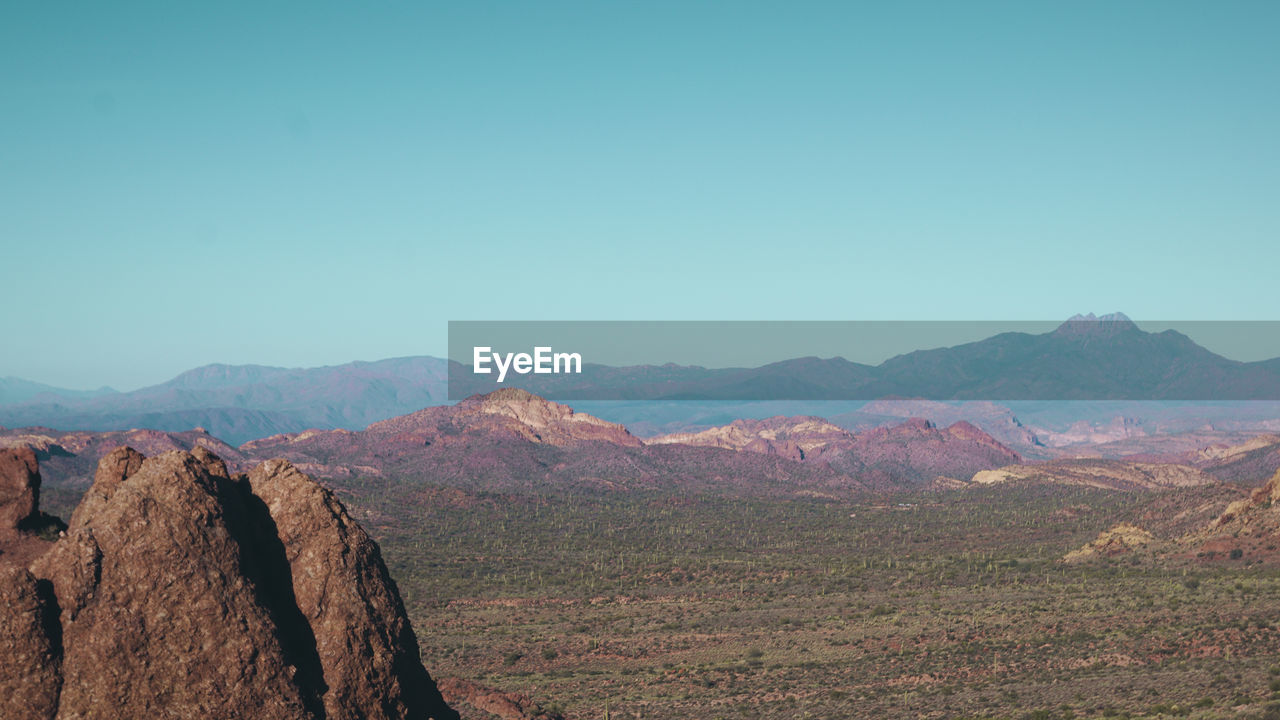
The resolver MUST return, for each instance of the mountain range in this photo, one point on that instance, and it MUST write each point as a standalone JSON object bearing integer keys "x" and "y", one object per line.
{"x": 512, "y": 441}
{"x": 1085, "y": 357}
{"x": 244, "y": 402}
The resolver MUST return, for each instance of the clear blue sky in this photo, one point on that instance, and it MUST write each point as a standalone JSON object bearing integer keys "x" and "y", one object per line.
{"x": 304, "y": 184}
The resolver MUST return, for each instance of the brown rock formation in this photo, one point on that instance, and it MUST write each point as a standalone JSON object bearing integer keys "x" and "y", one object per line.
{"x": 157, "y": 612}
{"x": 29, "y": 647}
{"x": 181, "y": 592}
{"x": 366, "y": 648}
{"x": 113, "y": 469}
{"x": 19, "y": 488}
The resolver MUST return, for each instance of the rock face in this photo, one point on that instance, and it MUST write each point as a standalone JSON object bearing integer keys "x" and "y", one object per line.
{"x": 19, "y": 488}
{"x": 367, "y": 651}
{"x": 112, "y": 470}
{"x": 181, "y": 592}
{"x": 29, "y": 647}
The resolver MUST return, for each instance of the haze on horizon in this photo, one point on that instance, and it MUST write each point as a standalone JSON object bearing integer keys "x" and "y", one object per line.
{"x": 303, "y": 186}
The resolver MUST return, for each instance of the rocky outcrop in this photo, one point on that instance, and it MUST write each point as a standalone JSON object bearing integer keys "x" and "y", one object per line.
{"x": 367, "y": 651}
{"x": 795, "y": 438}
{"x": 180, "y": 590}
{"x": 112, "y": 470}
{"x": 1248, "y": 529}
{"x": 513, "y": 411}
{"x": 19, "y": 489}
{"x": 1104, "y": 474}
{"x": 158, "y": 608}
{"x": 29, "y": 647}
{"x": 1120, "y": 539}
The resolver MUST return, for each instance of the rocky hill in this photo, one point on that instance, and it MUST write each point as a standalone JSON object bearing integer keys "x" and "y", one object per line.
{"x": 511, "y": 440}
{"x": 1106, "y": 474}
{"x": 1207, "y": 523}
{"x": 796, "y": 438}
{"x": 183, "y": 590}
{"x": 913, "y": 453}
{"x": 918, "y": 453}
{"x": 507, "y": 411}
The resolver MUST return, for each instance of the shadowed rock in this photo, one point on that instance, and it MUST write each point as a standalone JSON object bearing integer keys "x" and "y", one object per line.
{"x": 367, "y": 650}
{"x": 157, "y": 613}
{"x": 29, "y": 647}
{"x": 182, "y": 591}
{"x": 19, "y": 488}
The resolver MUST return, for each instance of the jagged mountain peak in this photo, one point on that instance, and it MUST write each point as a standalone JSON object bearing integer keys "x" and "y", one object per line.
{"x": 1094, "y": 325}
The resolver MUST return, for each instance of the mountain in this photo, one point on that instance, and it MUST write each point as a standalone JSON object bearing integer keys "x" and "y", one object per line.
{"x": 187, "y": 591}
{"x": 16, "y": 390}
{"x": 909, "y": 454}
{"x": 1085, "y": 358}
{"x": 509, "y": 410}
{"x": 511, "y": 440}
{"x": 244, "y": 402}
{"x": 918, "y": 453}
{"x": 998, "y": 421}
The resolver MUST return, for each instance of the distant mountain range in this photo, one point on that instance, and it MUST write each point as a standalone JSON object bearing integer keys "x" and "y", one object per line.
{"x": 244, "y": 402}
{"x": 1086, "y": 357}
{"x": 16, "y": 390}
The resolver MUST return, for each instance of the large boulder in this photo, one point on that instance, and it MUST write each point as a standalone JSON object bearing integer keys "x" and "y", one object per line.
{"x": 366, "y": 647}
{"x": 157, "y": 613}
{"x": 19, "y": 488}
{"x": 184, "y": 591}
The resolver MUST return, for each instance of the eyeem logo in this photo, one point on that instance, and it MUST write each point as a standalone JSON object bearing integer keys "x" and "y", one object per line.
{"x": 542, "y": 362}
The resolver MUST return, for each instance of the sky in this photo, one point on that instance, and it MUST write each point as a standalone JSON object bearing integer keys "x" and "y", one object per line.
{"x": 304, "y": 184}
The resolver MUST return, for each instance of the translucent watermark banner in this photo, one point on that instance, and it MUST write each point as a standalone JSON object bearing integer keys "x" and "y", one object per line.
{"x": 1084, "y": 358}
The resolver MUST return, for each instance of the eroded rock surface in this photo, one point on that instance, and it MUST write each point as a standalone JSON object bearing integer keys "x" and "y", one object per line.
{"x": 180, "y": 590}
{"x": 29, "y": 647}
{"x": 367, "y": 651}
{"x": 19, "y": 488}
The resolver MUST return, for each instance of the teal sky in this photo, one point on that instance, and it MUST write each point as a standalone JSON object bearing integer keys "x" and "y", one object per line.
{"x": 305, "y": 184}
